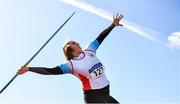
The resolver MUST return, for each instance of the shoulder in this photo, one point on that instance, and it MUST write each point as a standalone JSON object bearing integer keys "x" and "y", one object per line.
{"x": 89, "y": 50}
{"x": 66, "y": 67}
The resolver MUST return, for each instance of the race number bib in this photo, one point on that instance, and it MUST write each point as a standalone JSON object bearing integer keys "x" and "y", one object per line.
{"x": 96, "y": 71}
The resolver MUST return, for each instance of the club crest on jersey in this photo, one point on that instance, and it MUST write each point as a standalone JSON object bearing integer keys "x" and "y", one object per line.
{"x": 91, "y": 55}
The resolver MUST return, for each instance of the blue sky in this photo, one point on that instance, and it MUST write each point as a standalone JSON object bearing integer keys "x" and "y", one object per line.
{"x": 139, "y": 70}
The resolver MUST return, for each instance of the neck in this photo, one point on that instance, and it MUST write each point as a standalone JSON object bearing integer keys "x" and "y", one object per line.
{"x": 80, "y": 56}
{"x": 78, "y": 53}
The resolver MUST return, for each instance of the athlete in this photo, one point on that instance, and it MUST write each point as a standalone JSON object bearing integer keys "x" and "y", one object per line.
{"x": 84, "y": 64}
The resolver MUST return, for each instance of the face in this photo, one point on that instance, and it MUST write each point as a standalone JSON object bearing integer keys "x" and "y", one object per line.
{"x": 76, "y": 48}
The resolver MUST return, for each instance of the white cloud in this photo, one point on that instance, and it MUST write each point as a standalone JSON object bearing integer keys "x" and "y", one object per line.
{"x": 142, "y": 31}
{"x": 174, "y": 40}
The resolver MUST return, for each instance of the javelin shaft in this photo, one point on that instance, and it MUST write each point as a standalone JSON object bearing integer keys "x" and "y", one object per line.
{"x": 48, "y": 40}
{"x": 25, "y": 65}
{"x": 8, "y": 83}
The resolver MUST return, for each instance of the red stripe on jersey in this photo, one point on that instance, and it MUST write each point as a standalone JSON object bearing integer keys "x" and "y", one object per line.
{"x": 85, "y": 82}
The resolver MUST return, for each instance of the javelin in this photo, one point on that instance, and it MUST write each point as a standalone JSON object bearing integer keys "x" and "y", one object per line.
{"x": 25, "y": 65}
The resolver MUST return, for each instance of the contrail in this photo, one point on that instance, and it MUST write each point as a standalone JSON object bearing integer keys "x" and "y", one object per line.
{"x": 139, "y": 30}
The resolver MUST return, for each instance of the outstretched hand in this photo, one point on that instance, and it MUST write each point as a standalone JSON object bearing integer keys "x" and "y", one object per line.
{"x": 23, "y": 70}
{"x": 117, "y": 19}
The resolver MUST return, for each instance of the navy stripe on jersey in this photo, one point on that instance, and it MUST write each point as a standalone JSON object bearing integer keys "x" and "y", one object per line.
{"x": 95, "y": 67}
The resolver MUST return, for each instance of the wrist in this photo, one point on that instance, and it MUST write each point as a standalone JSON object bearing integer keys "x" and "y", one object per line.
{"x": 112, "y": 25}
{"x": 28, "y": 69}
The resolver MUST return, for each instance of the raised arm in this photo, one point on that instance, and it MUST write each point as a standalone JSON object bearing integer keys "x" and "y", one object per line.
{"x": 96, "y": 43}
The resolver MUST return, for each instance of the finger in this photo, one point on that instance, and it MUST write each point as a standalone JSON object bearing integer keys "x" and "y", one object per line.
{"x": 119, "y": 25}
{"x": 18, "y": 72}
{"x": 113, "y": 17}
{"x": 120, "y": 17}
{"x": 22, "y": 68}
{"x": 117, "y": 15}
